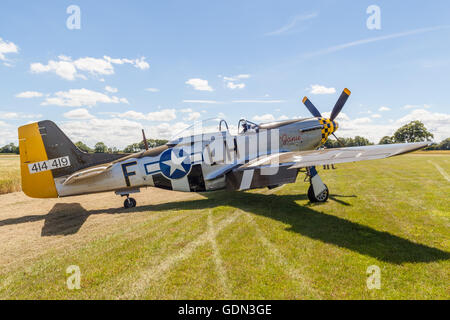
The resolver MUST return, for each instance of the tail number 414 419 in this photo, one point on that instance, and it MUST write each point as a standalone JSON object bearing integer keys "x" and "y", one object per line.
{"x": 49, "y": 165}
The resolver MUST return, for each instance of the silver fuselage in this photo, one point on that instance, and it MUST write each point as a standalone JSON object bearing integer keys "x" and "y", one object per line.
{"x": 202, "y": 155}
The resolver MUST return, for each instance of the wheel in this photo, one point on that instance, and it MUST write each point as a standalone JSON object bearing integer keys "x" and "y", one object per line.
{"x": 129, "y": 203}
{"x": 323, "y": 197}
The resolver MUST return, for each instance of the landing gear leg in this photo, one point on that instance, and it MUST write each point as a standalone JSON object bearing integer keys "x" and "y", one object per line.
{"x": 129, "y": 202}
{"x": 318, "y": 191}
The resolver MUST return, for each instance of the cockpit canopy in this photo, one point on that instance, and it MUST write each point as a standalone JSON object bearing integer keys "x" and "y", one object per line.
{"x": 214, "y": 125}
{"x": 210, "y": 125}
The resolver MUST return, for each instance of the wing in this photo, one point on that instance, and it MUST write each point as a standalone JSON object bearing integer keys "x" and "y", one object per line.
{"x": 302, "y": 159}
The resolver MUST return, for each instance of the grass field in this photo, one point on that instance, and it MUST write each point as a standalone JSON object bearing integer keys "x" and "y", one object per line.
{"x": 392, "y": 213}
{"x": 9, "y": 173}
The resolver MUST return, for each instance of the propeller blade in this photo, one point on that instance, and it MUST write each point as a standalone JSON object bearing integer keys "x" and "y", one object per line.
{"x": 340, "y": 142}
{"x": 311, "y": 108}
{"x": 340, "y": 104}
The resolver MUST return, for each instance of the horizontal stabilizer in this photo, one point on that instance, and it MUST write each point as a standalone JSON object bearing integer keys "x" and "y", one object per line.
{"x": 85, "y": 174}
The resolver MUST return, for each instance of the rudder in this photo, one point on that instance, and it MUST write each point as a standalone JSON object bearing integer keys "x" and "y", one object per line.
{"x": 32, "y": 151}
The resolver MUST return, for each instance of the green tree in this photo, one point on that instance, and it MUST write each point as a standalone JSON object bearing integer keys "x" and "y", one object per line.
{"x": 80, "y": 145}
{"x": 100, "y": 147}
{"x": 361, "y": 141}
{"x": 152, "y": 143}
{"x": 132, "y": 148}
{"x": 347, "y": 142}
{"x": 10, "y": 148}
{"x": 386, "y": 140}
{"x": 332, "y": 144}
{"x": 444, "y": 145}
{"x": 414, "y": 131}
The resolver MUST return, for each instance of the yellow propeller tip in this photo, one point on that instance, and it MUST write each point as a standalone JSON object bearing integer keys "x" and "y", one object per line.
{"x": 347, "y": 91}
{"x": 304, "y": 99}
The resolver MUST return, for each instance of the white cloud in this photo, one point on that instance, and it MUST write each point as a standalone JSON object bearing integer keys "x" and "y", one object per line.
{"x": 7, "y": 47}
{"x": 8, "y": 133}
{"x": 80, "y": 114}
{"x": 192, "y": 116}
{"x": 80, "y": 98}
{"x": 138, "y": 63}
{"x": 292, "y": 24}
{"x": 232, "y": 85}
{"x": 264, "y": 118}
{"x": 318, "y": 89}
{"x": 199, "y": 84}
{"x": 376, "y": 116}
{"x": 18, "y": 115}
{"x": 63, "y": 69}
{"x": 161, "y": 115}
{"x": 116, "y": 132}
{"x": 201, "y": 101}
{"x": 113, "y": 132}
{"x": 111, "y": 89}
{"x": 382, "y": 109}
{"x": 187, "y": 110}
{"x": 29, "y": 94}
{"x": 69, "y": 69}
{"x": 231, "y": 81}
{"x": 362, "y": 121}
{"x": 152, "y": 90}
{"x": 411, "y": 106}
{"x": 258, "y": 101}
{"x": 237, "y": 78}
{"x": 94, "y": 66}
{"x": 141, "y": 64}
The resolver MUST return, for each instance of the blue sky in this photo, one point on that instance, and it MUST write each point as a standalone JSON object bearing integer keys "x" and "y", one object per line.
{"x": 161, "y": 65}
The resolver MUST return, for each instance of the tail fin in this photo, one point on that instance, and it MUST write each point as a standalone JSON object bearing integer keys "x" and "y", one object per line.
{"x": 46, "y": 153}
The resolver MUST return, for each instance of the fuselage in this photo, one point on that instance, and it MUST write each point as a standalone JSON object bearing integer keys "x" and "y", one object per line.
{"x": 187, "y": 164}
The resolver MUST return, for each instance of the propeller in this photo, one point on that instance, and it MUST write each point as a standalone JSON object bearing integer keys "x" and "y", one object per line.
{"x": 334, "y": 113}
{"x": 336, "y": 110}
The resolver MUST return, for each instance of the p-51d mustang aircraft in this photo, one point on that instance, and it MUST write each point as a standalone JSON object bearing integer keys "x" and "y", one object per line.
{"x": 260, "y": 155}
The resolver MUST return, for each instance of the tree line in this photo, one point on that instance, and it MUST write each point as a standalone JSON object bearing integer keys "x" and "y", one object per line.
{"x": 415, "y": 131}
{"x": 101, "y": 147}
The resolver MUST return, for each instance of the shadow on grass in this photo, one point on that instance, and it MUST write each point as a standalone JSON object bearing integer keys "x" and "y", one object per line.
{"x": 65, "y": 219}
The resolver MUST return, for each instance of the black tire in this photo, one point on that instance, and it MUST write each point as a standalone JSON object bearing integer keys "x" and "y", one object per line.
{"x": 323, "y": 197}
{"x": 129, "y": 203}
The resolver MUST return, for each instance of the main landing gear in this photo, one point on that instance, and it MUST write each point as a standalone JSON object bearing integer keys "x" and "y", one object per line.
{"x": 322, "y": 197}
{"x": 129, "y": 203}
{"x": 318, "y": 191}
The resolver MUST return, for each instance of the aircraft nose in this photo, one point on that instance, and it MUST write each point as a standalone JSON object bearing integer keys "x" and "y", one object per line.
{"x": 335, "y": 126}
{"x": 329, "y": 127}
